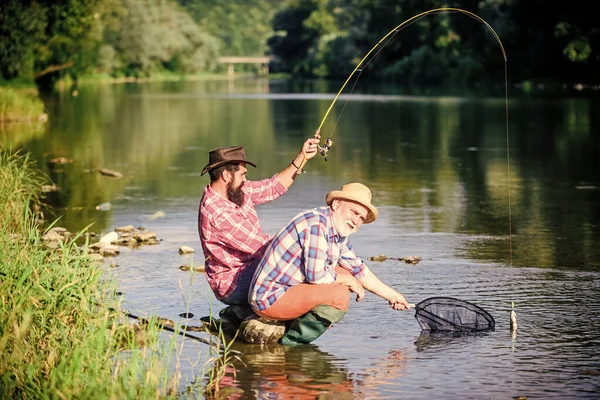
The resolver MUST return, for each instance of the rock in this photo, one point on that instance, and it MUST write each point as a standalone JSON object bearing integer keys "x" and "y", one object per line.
{"x": 50, "y": 188}
{"x": 186, "y": 250}
{"x": 95, "y": 257}
{"x": 591, "y": 372}
{"x": 60, "y": 160}
{"x": 106, "y": 252}
{"x": 125, "y": 229}
{"x": 109, "y": 238}
{"x": 52, "y": 237}
{"x": 159, "y": 321}
{"x": 110, "y": 172}
{"x": 197, "y": 269}
{"x": 156, "y": 215}
{"x": 104, "y": 207}
{"x": 261, "y": 330}
{"x": 186, "y": 315}
{"x": 97, "y": 246}
{"x": 144, "y": 236}
{"x": 411, "y": 259}
{"x": 378, "y": 258}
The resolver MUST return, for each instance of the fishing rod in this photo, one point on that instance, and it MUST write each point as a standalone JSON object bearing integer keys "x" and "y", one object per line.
{"x": 385, "y": 40}
{"x": 323, "y": 150}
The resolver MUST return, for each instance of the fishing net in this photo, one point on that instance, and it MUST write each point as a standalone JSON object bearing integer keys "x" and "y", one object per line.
{"x": 445, "y": 314}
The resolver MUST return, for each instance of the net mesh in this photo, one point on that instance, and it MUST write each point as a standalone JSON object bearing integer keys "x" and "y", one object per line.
{"x": 445, "y": 314}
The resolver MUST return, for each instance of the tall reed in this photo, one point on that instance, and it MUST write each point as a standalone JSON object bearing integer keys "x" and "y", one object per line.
{"x": 61, "y": 336}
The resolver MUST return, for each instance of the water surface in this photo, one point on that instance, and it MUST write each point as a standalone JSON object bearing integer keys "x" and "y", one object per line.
{"x": 489, "y": 231}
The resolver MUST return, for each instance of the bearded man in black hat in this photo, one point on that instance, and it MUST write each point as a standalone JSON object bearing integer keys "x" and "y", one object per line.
{"x": 230, "y": 232}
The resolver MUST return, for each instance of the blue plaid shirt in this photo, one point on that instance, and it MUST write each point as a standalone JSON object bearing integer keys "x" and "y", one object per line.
{"x": 305, "y": 251}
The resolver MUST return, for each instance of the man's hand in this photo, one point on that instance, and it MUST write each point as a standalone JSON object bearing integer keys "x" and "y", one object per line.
{"x": 398, "y": 302}
{"x": 356, "y": 287}
{"x": 352, "y": 284}
{"x": 309, "y": 148}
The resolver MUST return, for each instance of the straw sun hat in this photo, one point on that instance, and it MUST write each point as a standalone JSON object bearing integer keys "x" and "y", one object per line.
{"x": 356, "y": 192}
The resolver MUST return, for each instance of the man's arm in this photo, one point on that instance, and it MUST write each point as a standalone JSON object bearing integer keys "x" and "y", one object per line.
{"x": 374, "y": 285}
{"x": 308, "y": 151}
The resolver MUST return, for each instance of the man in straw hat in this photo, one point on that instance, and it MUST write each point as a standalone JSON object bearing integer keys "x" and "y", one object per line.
{"x": 230, "y": 232}
{"x": 309, "y": 268}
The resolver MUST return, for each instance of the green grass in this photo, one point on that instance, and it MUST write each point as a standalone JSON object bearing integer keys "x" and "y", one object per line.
{"x": 62, "y": 335}
{"x": 19, "y": 105}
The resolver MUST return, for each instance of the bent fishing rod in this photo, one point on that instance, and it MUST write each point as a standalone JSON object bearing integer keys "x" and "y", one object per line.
{"x": 323, "y": 150}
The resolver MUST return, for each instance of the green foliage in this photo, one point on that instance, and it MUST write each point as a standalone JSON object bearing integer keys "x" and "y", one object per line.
{"x": 151, "y": 36}
{"x": 21, "y": 30}
{"x": 241, "y": 27}
{"x": 328, "y": 38}
{"x": 18, "y": 106}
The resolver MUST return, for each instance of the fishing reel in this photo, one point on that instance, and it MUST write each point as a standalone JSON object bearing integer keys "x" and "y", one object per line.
{"x": 325, "y": 148}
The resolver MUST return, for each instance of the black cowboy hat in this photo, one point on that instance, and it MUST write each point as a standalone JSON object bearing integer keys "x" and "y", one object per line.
{"x": 226, "y": 155}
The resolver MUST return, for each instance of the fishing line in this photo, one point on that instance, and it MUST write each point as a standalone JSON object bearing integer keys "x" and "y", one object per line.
{"x": 361, "y": 69}
{"x": 385, "y": 40}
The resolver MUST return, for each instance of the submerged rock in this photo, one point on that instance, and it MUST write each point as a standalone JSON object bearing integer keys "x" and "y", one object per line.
{"x": 186, "y": 250}
{"x": 407, "y": 260}
{"x": 159, "y": 321}
{"x": 110, "y": 173}
{"x": 197, "y": 269}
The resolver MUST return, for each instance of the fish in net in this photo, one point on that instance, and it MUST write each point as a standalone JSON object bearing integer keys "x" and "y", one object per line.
{"x": 446, "y": 314}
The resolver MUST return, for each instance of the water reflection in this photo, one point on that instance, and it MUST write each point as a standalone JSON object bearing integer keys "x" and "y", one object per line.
{"x": 446, "y": 340}
{"x": 438, "y": 170}
{"x": 287, "y": 372}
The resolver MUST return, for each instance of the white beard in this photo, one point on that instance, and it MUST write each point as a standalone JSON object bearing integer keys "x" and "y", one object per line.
{"x": 342, "y": 228}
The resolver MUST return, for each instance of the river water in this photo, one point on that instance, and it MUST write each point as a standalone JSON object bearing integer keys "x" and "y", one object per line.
{"x": 491, "y": 227}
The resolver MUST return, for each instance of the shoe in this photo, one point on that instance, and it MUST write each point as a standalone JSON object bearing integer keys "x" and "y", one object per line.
{"x": 225, "y": 325}
{"x": 237, "y": 313}
{"x": 261, "y": 330}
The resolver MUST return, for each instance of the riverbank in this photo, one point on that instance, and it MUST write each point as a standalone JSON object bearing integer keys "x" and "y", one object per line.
{"x": 21, "y": 105}
{"x": 62, "y": 334}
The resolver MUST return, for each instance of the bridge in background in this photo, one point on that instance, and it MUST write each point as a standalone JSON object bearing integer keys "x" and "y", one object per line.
{"x": 230, "y": 61}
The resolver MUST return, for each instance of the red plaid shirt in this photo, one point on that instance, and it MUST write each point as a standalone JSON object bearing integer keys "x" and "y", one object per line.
{"x": 231, "y": 236}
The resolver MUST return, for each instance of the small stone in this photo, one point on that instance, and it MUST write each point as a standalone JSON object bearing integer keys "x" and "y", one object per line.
{"x": 412, "y": 259}
{"x": 104, "y": 207}
{"x": 50, "y": 188}
{"x": 156, "y": 215}
{"x": 196, "y": 269}
{"x": 159, "y": 321}
{"x": 378, "y": 258}
{"x": 109, "y": 238}
{"x": 110, "y": 172}
{"x": 125, "y": 229}
{"x": 186, "y": 250}
{"x": 97, "y": 246}
{"x": 95, "y": 257}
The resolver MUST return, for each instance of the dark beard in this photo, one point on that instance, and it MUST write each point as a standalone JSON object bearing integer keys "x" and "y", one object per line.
{"x": 235, "y": 195}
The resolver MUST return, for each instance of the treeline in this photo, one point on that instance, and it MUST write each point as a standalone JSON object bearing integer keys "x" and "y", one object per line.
{"x": 46, "y": 40}
{"x": 545, "y": 40}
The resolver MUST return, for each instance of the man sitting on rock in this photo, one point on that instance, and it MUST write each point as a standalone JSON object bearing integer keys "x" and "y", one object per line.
{"x": 230, "y": 232}
{"x": 308, "y": 269}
